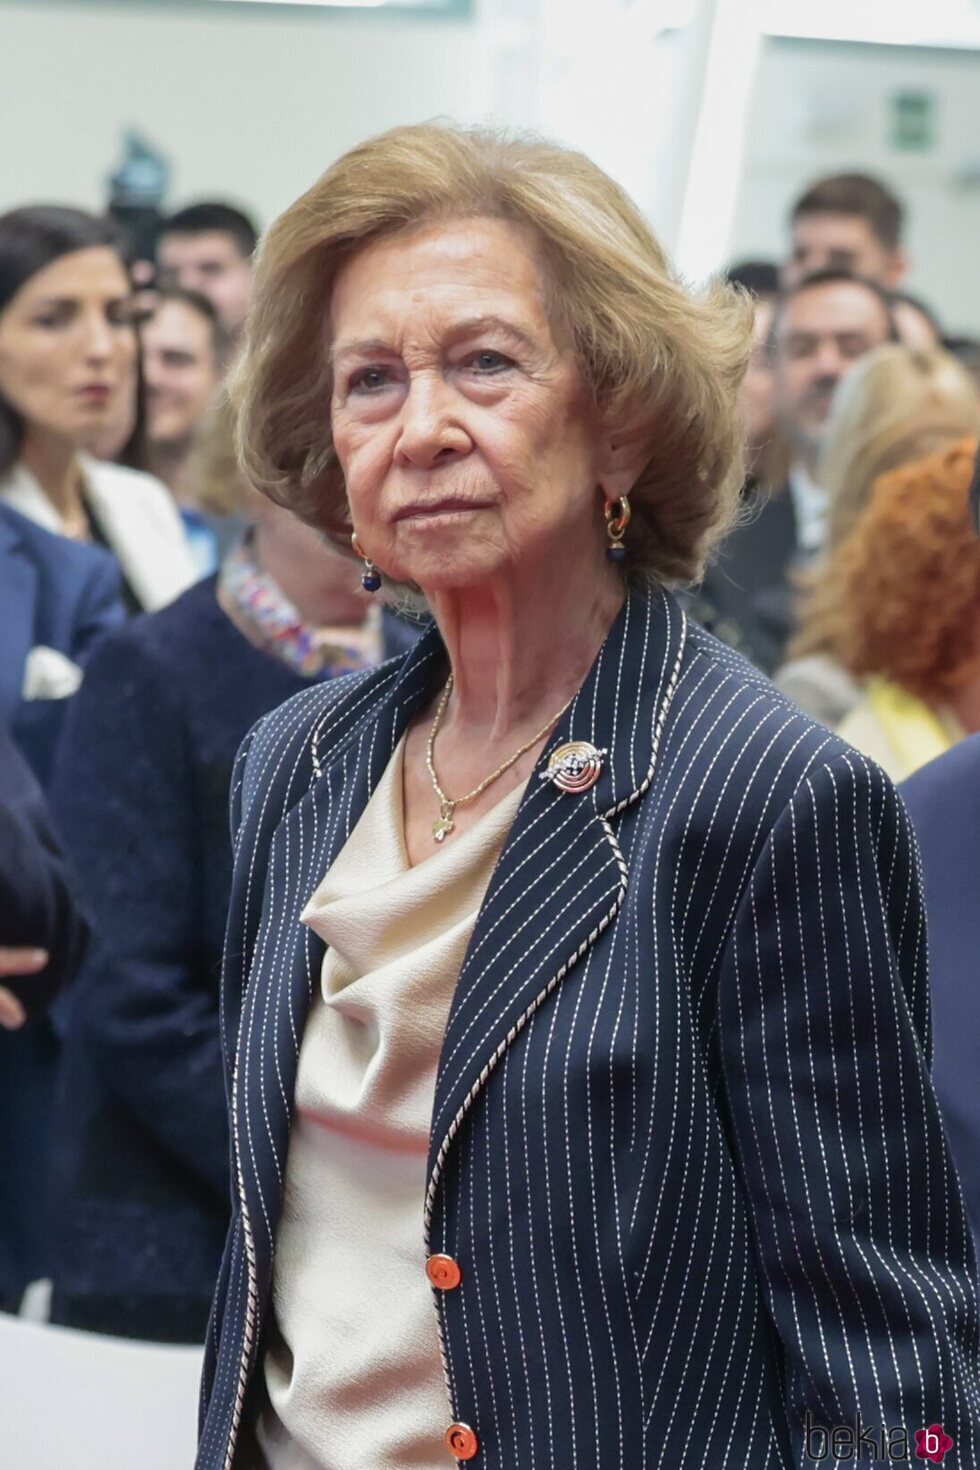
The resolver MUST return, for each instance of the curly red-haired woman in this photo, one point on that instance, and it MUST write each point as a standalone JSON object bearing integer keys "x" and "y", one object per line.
{"x": 909, "y": 613}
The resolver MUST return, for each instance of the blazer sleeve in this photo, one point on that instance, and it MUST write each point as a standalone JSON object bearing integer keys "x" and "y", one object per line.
{"x": 146, "y": 1006}
{"x": 37, "y": 901}
{"x": 865, "y": 1253}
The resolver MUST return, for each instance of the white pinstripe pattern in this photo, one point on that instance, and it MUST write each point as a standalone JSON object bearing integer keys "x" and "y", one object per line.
{"x": 684, "y": 1141}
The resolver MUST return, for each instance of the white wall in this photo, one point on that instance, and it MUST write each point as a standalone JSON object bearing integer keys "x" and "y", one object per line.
{"x": 250, "y": 105}
{"x": 819, "y": 108}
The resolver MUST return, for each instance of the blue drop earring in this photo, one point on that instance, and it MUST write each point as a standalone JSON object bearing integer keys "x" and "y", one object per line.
{"x": 370, "y": 577}
{"x": 617, "y": 513}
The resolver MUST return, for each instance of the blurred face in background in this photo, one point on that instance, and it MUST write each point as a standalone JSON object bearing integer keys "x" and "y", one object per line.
{"x": 68, "y": 348}
{"x": 212, "y": 264}
{"x": 844, "y": 242}
{"x": 181, "y": 371}
{"x": 819, "y": 335}
{"x": 757, "y": 385}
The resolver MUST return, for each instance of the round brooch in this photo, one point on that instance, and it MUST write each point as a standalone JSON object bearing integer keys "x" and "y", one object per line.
{"x": 574, "y": 767}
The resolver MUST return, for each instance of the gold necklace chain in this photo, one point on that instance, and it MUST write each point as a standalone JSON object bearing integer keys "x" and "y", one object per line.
{"x": 448, "y": 804}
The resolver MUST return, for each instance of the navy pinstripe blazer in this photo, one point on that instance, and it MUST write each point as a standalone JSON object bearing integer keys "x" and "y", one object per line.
{"x": 684, "y": 1143}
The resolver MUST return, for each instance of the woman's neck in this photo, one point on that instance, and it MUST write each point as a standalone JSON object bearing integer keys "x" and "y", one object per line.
{"x": 55, "y": 466}
{"x": 519, "y": 653}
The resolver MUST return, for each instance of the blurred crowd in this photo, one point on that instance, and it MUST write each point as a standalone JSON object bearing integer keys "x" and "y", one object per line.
{"x": 152, "y": 608}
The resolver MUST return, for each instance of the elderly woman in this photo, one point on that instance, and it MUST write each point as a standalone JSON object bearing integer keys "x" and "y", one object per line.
{"x": 575, "y": 994}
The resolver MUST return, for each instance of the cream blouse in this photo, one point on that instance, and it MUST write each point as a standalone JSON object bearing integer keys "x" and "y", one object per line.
{"x": 353, "y": 1375}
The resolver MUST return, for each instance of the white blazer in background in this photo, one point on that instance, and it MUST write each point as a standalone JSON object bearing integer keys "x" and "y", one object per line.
{"x": 138, "y": 517}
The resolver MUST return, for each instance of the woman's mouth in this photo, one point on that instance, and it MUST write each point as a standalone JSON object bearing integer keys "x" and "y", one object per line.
{"x": 429, "y": 510}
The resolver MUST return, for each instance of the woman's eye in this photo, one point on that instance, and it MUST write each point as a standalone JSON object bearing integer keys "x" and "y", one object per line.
{"x": 368, "y": 380}
{"x": 488, "y": 361}
{"x": 58, "y": 316}
{"x": 123, "y": 314}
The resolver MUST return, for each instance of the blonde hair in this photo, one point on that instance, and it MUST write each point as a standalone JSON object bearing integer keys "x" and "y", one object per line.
{"x": 663, "y": 365}
{"x": 897, "y": 406}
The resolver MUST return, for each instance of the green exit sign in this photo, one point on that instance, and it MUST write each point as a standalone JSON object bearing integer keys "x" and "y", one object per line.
{"x": 913, "y": 121}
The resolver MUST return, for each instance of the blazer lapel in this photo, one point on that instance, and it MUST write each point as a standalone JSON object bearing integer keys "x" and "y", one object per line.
{"x": 146, "y": 537}
{"x": 561, "y": 878}
{"x": 22, "y": 493}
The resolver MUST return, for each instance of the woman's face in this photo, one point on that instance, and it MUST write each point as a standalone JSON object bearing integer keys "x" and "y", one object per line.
{"x": 467, "y": 438}
{"x": 67, "y": 347}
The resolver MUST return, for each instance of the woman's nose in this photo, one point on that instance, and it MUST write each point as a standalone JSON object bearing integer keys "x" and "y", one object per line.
{"x": 828, "y": 362}
{"x": 431, "y": 427}
{"x": 99, "y": 338}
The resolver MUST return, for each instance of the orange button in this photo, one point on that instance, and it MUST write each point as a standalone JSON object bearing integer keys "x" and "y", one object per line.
{"x": 443, "y": 1272}
{"x": 461, "y": 1441}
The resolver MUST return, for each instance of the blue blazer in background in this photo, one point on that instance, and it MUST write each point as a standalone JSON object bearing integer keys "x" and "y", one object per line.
{"x": 943, "y": 799}
{"x": 54, "y": 592}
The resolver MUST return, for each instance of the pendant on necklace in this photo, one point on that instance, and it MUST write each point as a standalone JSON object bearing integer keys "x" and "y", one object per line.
{"x": 445, "y": 824}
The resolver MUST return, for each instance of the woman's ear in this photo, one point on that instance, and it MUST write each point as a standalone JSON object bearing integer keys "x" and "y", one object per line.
{"x": 622, "y": 458}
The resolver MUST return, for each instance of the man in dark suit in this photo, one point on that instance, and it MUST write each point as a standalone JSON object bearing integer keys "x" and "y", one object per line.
{"x": 56, "y": 599}
{"x": 41, "y": 932}
{"x": 42, "y": 938}
{"x": 820, "y": 329}
{"x": 944, "y": 802}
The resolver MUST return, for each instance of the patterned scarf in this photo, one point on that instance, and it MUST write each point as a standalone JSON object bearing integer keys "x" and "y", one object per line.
{"x": 258, "y": 606}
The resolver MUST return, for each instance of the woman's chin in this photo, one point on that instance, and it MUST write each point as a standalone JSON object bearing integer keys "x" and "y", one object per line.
{"x": 446, "y": 574}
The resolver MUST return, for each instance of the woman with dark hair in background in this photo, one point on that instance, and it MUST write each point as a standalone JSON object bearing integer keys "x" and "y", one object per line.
{"x": 67, "y": 351}
{"x": 68, "y": 345}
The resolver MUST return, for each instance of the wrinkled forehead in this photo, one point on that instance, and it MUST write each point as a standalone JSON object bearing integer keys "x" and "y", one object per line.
{"x": 439, "y": 275}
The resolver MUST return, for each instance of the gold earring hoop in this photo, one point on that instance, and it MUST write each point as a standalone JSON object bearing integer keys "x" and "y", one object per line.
{"x": 617, "y": 513}
{"x": 370, "y": 577}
